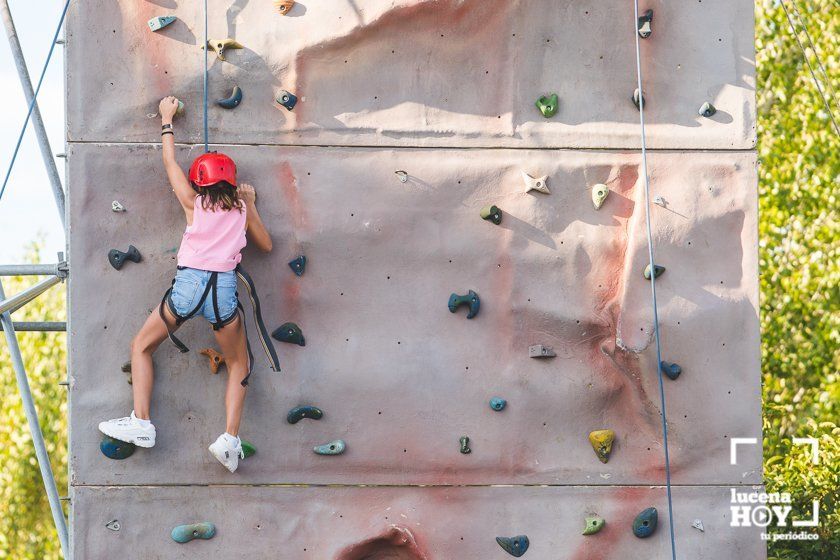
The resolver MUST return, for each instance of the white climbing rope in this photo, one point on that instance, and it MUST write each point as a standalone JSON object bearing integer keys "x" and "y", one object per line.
{"x": 653, "y": 279}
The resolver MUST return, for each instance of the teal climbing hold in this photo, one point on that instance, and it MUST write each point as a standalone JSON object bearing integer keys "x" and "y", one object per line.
{"x": 248, "y": 449}
{"x": 670, "y": 369}
{"x": 515, "y": 546}
{"x": 116, "y": 449}
{"x": 289, "y": 332}
{"x": 594, "y": 523}
{"x": 159, "y": 22}
{"x": 657, "y": 270}
{"x": 186, "y": 533}
{"x": 548, "y": 105}
{"x": 298, "y": 265}
{"x": 298, "y": 413}
{"x": 471, "y": 300}
{"x": 491, "y": 214}
{"x": 498, "y": 403}
{"x": 287, "y": 99}
{"x": 644, "y": 24}
{"x": 645, "y": 523}
{"x": 233, "y": 100}
{"x": 336, "y": 447}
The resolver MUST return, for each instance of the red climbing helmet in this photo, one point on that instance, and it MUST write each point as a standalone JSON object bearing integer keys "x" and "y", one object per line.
{"x": 212, "y": 167}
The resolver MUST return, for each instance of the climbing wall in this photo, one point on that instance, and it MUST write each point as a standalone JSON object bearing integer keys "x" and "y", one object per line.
{"x": 413, "y": 116}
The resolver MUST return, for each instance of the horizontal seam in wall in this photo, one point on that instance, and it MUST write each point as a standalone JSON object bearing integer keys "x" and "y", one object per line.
{"x": 412, "y": 486}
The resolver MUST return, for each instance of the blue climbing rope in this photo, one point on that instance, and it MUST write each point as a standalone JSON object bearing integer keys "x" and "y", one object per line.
{"x": 653, "y": 281}
{"x": 206, "y": 48}
{"x": 34, "y": 100}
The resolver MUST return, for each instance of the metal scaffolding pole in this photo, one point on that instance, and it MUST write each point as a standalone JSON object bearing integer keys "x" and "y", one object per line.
{"x": 19, "y": 300}
{"x": 37, "y": 121}
{"x": 35, "y": 429}
{"x": 39, "y": 326}
{"x": 58, "y": 269}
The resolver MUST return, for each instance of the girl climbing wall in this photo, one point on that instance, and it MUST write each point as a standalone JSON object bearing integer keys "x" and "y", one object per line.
{"x": 219, "y": 214}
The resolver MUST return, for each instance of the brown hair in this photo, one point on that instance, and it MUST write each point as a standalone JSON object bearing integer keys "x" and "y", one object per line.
{"x": 221, "y": 195}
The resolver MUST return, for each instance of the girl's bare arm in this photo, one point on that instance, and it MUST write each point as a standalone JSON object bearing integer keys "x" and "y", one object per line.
{"x": 254, "y": 227}
{"x": 179, "y": 182}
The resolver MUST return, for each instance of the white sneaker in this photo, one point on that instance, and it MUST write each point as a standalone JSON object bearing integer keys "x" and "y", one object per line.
{"x": 129, "y": 429}
{"x": 228, "y": 451}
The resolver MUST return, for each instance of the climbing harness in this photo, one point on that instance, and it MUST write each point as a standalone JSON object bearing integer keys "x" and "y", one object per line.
{"x": 652, "y": 265}
{"x": 210, "y": 290}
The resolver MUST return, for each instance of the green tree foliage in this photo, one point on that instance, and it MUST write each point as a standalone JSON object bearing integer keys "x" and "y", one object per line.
{"x": 27, "y": 531}
{"x": 799, "y": 174}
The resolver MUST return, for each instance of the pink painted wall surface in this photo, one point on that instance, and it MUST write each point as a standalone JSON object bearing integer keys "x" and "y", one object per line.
{"x": 399, "y": 377}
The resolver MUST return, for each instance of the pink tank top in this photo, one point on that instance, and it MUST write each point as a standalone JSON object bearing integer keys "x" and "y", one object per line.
{"x": 214, "y": 240}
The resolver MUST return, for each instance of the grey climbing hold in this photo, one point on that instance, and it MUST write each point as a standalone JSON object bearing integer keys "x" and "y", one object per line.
{"x": 471, "y": 300}
{"x": 645, "y": 523}
{"x": 186, "y": 533}
{"x": 117, "y": 207}
{"x": 113, "y": 525}
{"x": 540, "y": 351}
{"x": 298, "y": 265}
{"x": 159, "y": 22}
{"x": 600, "y": 192}
{"x": 657, "y": 271}
{"x": 403, "y": 175}
{"x": 707, "y": 110}
{"x": 498, "y": 403}
{"x": 645, "y": 21}
{"x": 232, "y": 100}
{"x": 126, "y": 369}
{"x": 670, "y": 369}
{"x": 118, "y": 258}
{"x": 287, "y": 99}
{"x": 639, "y": 99}
{"x": 698, "y": 524}
{"x": 492, "y": 214}
{"x": 594, "y": 523}
{"x": 336, "y": 447}
{"x": 535, "y": 183}
{"x": 659, "y": 201}
{"x": 465, "y": 444}
{"x": 515, "y": 546}
{"x": 289, "y": 332}
{"x": 298, "y": 413}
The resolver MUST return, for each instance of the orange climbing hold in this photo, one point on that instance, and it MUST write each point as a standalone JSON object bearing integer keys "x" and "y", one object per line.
{"x": 216, "y": 359}
{"x": 283, "y": 6}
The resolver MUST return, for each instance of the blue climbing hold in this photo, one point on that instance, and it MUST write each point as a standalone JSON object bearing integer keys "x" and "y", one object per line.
{"x": 186, "y": 533}
{"x": 645, "y": 523}
{"x": 287, "y": 99}
{"x": 298, "y": 265}
{"x": 116, "y": 449}
{"x": 515, "y": 546}
{"x": 471, "y": 300}
{"x": 670, "y": 369}
{"x": 298, "y": 413}
{"x": 498, "y": 403}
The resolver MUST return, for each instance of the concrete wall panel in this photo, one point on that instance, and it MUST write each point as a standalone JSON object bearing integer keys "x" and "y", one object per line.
{"x": 399, "y": 377}
{"x": 418, "y": 72}
{"x": 437, "y": 523}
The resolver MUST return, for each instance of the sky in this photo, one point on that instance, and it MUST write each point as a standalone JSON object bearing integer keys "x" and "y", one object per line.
{"x": 27, "y": 209}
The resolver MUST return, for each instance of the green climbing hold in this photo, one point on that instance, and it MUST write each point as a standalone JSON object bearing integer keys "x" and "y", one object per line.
{"x": 644, "y": 24}
{"x": 116, "y": 449}
{"x": 498, "y": 404}
{"x": 298, "y": 413}
{"x": 336, "y": 447}
{"x": 186, "y": 533}
{"x": 645, "y": 523}
{"x": 639, "y": 99}
{"x": 248, "y": 448}
{"x": 670, "y": 369}
{"x": 159, "y": 22}
{"x": 289, "y": 332}
{"x": 601, "y": 441}
{"x": 471, "y": 300}
{"x": 492, "y": 214}
{"x": 594, "y": 523}
{"x": 180, "y": 109}
{"x": 515, "y": 546}
{"x": 657, "y": 271}
{"x": 707, "y": 110}
{"x": 548, "y": 105}
{"x": 465, "y": 444}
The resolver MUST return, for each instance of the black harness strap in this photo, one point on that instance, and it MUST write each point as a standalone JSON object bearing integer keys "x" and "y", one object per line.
{"x": 179, "y": 319}
{"x": 262, "y": 332}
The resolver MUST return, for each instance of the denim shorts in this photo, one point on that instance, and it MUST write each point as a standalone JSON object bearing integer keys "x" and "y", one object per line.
{"x": 190, "y": 284}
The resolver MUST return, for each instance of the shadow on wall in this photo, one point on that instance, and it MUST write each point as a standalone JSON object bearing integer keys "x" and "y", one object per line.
{"x": 396, "y": 543}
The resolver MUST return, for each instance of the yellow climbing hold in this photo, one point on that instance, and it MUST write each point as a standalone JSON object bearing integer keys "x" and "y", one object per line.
{"x": 220, "y": 46}
{"x": 602, "y": 441}
{"x": 599, "y": 195}
{"x": 283, "y": 6}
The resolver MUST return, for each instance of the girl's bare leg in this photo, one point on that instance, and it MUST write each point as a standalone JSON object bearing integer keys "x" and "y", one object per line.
{"x": 231, "y": 340}
{"x": 143, "y": 346}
